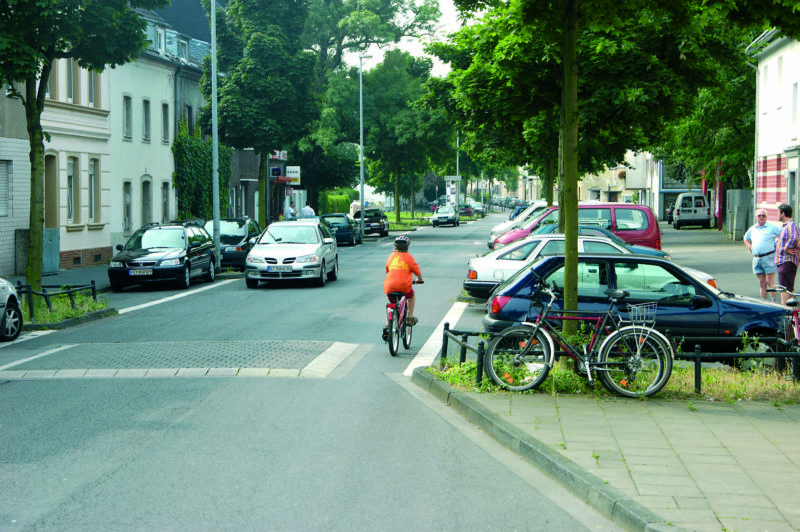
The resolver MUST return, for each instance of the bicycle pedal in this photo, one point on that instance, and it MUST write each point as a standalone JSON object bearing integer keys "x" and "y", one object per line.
{"x": 385, "y": 335}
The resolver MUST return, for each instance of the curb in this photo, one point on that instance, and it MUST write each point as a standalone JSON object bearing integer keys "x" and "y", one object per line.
{"x": 92, "y": 316}
{"x": 605, "y": 499}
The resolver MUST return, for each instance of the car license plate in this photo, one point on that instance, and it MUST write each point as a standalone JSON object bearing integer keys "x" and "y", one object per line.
{"x": 279, "y": 269}
{"x": 144, "y": 271}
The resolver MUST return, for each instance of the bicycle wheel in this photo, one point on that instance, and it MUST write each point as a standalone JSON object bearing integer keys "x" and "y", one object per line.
{"x": 406, "y": 329}
{"x": 634, "y": 362}
{"x": 511, "y": 365}
{"x": 394, "y": 333}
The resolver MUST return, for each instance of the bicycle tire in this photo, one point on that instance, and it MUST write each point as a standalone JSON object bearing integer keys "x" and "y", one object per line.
{"x": 406, "y": 329}
{"x": 634, "y": 362}
{"x": 515, "y": 375}
{"x": 394, "y": 333}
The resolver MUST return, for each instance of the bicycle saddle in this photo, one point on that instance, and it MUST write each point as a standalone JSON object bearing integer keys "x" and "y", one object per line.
{"x": 617, "y": 294}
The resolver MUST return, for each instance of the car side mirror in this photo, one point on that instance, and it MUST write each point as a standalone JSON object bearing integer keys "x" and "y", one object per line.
{"x": 327, "y": 241}
{"x": 699, "y": 302}
{"x": 119, "y": 247}
{"x": 194, "y": 245}
{"x": 252, "y": 241}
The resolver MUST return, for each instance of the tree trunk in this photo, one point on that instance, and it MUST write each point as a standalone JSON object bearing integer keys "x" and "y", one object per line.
{"x": 569, "y": 209}
{"x": 397, "y": 196}
{"x": 33, "y": 115}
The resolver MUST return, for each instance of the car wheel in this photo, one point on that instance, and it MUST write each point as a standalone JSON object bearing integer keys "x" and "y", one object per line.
{"x": 211, "y": 270}
{"x": 334, "y": 273}
{"x": 676, "y": 226}
{"x": 251, "y": 283}
{"x": 184, "y": 281}
{"x": 385, "y": 233}
{"x": 12, "y": 324}
{"x": 116, "y": 287}
{"x": 322, "y": 276}
{"x": 353, "y": 239}
{"x": 433, "y": 224}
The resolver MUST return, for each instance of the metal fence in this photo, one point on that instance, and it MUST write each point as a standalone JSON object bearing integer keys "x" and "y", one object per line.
{"x": 50, "y": 291}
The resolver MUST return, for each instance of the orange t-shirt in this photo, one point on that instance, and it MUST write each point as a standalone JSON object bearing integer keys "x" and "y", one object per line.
{"x": 399, "y": 269}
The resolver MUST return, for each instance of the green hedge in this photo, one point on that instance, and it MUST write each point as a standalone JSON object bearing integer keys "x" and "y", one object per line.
{"x": 335, "y": 203}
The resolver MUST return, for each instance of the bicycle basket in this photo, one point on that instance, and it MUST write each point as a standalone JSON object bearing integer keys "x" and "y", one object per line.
{"x": 642, "y": 313}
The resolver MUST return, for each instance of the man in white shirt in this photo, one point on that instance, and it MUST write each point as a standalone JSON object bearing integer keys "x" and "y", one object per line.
{"x": 290, "y": 212}
{"x": 307, "y": 211}
{"x": 760, "y": 242}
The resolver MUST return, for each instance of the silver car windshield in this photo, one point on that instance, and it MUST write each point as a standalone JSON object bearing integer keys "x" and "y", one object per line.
{"x": 290, "y": 234}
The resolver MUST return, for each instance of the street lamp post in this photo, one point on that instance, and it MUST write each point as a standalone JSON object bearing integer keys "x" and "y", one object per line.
{"x": 361, "y": 134}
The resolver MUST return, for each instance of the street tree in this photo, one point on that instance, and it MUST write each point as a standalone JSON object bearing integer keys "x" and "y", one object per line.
{"x": 33, "y": 34}
{"x": 265, "y": 98}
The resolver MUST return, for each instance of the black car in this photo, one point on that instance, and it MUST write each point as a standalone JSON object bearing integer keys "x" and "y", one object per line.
{"x": 175, "y": 251}
{"x": 234, "y": 240}
{"x": 375, "y": 221}
{"x": 687, "y": 306}
{"x": 347, "y": 229}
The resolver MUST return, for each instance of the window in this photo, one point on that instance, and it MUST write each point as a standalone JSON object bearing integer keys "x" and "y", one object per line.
{"x": 190, "y": 119}
{"x": 160, "y": 41}
{"x": 5, "y": 186}
{"x": 183, "y": 49}
{"x": 147, "y": 201}
{"x": 94, "y": 88}
{"x": 164, "y": 202}
{"x": 651, "y": 282}
{"x": 70, "y": 92}
{"x": 94, "y": 190}
{"x": 554, "y": 247}
{"x": 164, "y": 122}
{"x": 76, "y": 81}
{"x": 127, "y": 200}
{"x": 592, "y": 279}
{"x": 521, "y": 253}
{"x": 592, "y": 246}
{"x": 127, "y": 117}
{"x": 73, "y": 189}
{"x": 595, "y": 216}
{"x": 631, "y": 219}
{"x": 146, "y": 120}
{"x": 91, "y": 88}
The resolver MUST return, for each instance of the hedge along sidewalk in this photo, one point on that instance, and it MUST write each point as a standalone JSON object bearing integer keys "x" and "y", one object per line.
{"x": 71, "y": 322}
{"x": 605, "y": 499}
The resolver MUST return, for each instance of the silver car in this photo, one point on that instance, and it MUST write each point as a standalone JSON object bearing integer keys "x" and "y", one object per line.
{"x": 11, "y": 323}
{"x": 302, "y": 249}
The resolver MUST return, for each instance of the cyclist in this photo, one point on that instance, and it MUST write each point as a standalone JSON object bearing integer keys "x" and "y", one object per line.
{"x": 400, "y": 270}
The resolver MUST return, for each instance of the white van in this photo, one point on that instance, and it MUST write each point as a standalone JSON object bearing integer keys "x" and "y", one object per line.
{"x": 691, "y": 208}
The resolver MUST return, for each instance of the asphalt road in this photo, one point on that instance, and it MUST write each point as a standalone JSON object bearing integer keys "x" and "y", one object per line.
{"x": 113, "y": 429}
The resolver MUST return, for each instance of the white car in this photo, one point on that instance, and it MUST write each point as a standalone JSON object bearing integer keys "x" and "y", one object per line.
{"x": 303, "y": 249}
{"x": 445, "y": 214}
{"x": 11, "y": 323}
{"x": 487, "y": 271}
{"x": 504, "y": 227}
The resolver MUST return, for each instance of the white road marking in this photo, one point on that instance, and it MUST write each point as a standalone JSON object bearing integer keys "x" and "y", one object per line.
{"x": 40, "y": 355}
{"x": 428, "y": 353}
{"x": 176, "y": 296}
{"x": 28, "y": 335}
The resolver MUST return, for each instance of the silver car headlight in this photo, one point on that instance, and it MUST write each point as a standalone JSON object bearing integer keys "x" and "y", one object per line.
{"x": 171, "y": 262}
{"x": 308, "y": 258}
{"x": 116, "y": 264}
{"x": 255, "y": 259}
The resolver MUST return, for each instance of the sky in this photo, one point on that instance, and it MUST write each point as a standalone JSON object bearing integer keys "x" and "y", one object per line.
{"x": 448, "y": 23}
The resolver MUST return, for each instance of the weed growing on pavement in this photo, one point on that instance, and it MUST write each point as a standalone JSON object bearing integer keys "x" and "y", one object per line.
{"x": 721, "y": 383}
{"x": 62, "y": 308}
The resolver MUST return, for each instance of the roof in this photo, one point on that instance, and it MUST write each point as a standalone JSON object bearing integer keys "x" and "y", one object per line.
{"x": 189, "y": 17}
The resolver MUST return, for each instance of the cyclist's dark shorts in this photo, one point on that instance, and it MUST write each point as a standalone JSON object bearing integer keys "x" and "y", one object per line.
{"x": 409, "y": 295}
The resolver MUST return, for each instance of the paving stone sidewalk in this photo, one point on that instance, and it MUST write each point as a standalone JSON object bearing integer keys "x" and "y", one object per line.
{"x": 698, "y": 465}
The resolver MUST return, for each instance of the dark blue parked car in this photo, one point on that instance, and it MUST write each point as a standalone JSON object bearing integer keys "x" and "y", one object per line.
{"x": 687, "y": 306}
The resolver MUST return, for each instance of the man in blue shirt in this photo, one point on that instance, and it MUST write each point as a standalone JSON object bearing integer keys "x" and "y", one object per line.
{"x": 760, "y": 241}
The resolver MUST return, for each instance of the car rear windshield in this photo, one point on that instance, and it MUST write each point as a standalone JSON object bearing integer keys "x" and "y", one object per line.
{"x": 157, "y": 237}
{"x": 228, "y": 227}
{"x": 336, "y": 220}
{"x": 369, "y": 213}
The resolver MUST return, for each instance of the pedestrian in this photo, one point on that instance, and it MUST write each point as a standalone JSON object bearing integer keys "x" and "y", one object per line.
{"x": 307, "y": 211}
{"x": 785, "y": 251}
{"x": 760, "y": 241}
{"x": 290, "y": 212}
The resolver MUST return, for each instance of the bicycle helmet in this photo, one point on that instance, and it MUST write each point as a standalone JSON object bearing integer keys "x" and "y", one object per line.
{"x": 401, "y": 243}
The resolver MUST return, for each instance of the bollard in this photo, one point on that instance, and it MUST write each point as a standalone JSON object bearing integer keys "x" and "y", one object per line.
{"x": 94, "y": 290}
{"x": 444, "y": 344}
{"x": 462, "y": 356}
{"x": 697, "y": 372}
{"x": 481, "y": 354}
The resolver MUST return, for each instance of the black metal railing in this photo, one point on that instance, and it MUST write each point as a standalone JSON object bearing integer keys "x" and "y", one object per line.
{"x": 461, "y": 338}
{"x": 51, "y": 291}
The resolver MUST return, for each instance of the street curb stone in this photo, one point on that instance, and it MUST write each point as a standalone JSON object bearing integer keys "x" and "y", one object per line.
{"x": 605, "y": 499}
{"x": 92, "y": 316}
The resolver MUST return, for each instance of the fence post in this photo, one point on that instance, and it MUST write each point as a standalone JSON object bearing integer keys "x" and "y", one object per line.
{"x": 444, "y": 344}
{"x": 697, "y": 372}
{"x": 481, "y": 354}
{"x": 94, "y": 290}
{"x": 71, "y": 295}
{"x": 28, "y": 296}
{"x": 47, "y": 299}
{"x": 462, "y": 356}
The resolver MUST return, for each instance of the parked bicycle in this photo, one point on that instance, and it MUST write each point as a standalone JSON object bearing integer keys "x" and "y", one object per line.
{"x": 400, "y": 327}
{"x": 633, "y": 360}
{"x": 792, "y": 329}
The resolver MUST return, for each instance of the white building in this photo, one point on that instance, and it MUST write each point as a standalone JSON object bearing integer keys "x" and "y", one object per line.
{"x": 777, "y": 125}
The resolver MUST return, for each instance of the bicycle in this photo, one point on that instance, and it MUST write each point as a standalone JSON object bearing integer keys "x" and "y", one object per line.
{"x": 400, "y": 327}
{"x": 792, "y": 328}
{"x": 633, "y": 360}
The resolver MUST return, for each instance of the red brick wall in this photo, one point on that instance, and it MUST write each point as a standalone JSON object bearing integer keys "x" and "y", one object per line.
{"x": 85, "y": 257}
